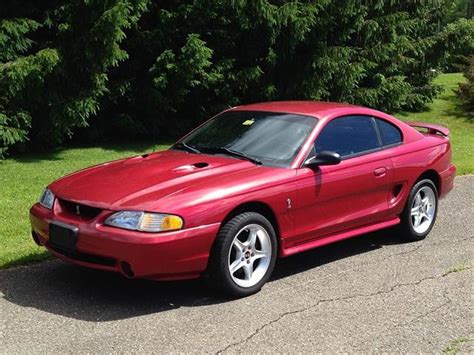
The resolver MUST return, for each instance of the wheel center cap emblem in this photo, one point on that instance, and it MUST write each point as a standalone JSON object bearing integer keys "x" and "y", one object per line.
{"x": 247, "y": 254}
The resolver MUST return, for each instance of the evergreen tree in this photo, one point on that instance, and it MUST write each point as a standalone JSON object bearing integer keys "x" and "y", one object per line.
{"x": 20, "y": 77}
{"x": 147, "y": 68}
{"x": 59, "y": 85}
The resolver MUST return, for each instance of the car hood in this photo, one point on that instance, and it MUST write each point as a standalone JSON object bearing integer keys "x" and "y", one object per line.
{"x": 134, "y": 182}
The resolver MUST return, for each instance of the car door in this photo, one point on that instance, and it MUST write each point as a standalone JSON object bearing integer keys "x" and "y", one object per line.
{"x": 353, "y": 193}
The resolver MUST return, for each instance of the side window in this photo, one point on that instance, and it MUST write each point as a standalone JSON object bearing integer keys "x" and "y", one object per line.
{"x": 390, "y": 134}
{"x": 348, "y": 135}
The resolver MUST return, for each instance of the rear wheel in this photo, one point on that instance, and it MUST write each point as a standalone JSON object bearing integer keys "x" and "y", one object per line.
{"x": 244, "y": 255}
{"x": 419, "y": 214}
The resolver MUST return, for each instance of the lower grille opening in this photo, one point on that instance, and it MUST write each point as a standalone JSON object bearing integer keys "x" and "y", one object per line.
{"x": 76, "y": 209}
{"x": 84, "y": 257}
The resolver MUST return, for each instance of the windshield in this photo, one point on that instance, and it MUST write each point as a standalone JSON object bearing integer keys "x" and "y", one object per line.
{"x": 263, "y": 137}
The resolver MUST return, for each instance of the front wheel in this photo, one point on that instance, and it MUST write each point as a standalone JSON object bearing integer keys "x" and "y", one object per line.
{"x": 244, "y": 255}
{"x": 419, "y": 214}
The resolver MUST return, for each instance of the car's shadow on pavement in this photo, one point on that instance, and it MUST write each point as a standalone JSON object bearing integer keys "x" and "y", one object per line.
{"x": 91, "y": 295}
{"x": 337, "y": 251}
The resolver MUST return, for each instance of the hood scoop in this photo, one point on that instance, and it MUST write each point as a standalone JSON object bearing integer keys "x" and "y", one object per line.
{"x": 200, "y": 165}
{"x": 191, "y": 167}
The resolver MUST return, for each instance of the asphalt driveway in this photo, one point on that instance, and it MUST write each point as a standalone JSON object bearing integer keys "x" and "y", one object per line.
{"x": 371, "y": 293}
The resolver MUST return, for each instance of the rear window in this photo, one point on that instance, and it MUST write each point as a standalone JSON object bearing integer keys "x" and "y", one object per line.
{"x": 390, "y": 134}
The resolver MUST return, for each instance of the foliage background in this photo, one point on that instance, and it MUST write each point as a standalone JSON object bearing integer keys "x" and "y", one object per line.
{"x": 102, "y": 69}
{"x": 466, "y": 89}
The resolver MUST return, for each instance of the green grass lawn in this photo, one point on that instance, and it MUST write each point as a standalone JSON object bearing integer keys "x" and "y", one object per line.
{"x": 23, "y": 179}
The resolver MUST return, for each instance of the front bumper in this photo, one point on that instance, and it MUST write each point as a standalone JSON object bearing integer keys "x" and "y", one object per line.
{"x": 174, "y": 255}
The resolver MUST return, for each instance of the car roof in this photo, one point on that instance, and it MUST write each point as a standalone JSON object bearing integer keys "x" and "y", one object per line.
{"x": 316, "y": 109}
{"x": 325, "y": 111}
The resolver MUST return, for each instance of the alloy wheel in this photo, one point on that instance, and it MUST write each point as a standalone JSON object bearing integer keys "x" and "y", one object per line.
{"x": 250, "y": 255}
{"x": 423, "y": 210}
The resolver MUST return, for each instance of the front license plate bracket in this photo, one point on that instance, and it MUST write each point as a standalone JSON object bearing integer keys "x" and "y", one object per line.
{"x": 63, "y": 235}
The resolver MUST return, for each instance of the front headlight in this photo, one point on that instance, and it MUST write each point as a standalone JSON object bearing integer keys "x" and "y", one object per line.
{"x": 145, "y": 221}
{"x": 47, "y": 199}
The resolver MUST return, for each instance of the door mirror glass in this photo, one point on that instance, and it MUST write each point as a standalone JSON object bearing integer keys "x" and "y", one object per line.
{"x": 323, "y": 158}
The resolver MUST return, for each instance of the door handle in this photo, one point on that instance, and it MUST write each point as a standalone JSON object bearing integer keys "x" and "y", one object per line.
{"x": 379, "y": 172}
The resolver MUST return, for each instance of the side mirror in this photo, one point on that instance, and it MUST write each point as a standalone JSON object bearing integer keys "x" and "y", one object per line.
{"x": 323, "y": 158}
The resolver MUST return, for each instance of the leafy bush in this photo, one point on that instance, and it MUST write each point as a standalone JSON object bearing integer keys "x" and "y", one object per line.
{"x": 162, "y": 67}
{"x": 466, "y": 90}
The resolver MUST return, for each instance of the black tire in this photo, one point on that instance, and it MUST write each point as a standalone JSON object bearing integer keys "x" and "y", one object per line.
{"x": 218, "y": 275}
{"x": 406, "y": 227}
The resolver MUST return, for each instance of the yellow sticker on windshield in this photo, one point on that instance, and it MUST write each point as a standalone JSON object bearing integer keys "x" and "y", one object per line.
{"x": 248, "y": 122}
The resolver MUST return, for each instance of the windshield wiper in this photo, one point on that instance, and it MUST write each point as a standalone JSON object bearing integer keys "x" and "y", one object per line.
{"x": 188, "y": 147}
{"x": 234, "y": 153}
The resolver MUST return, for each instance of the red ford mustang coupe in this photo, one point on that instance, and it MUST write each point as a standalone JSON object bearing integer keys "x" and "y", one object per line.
{"x": 252, "y": 184}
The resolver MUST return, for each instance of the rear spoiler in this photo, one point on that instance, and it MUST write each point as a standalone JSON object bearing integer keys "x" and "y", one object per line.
{"x": 430, "y": 128}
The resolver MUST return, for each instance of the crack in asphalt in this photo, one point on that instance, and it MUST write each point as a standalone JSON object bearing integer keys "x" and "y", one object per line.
{"x": 337, "y": 299}
{"x": 363, "y": 264}
{"x": 448, "y": 300}
{"x": 418, "y": 318}
{"x": 368, "y": 263}
{"x": 412, "y": 250}
{"x": 426, "y": 314}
